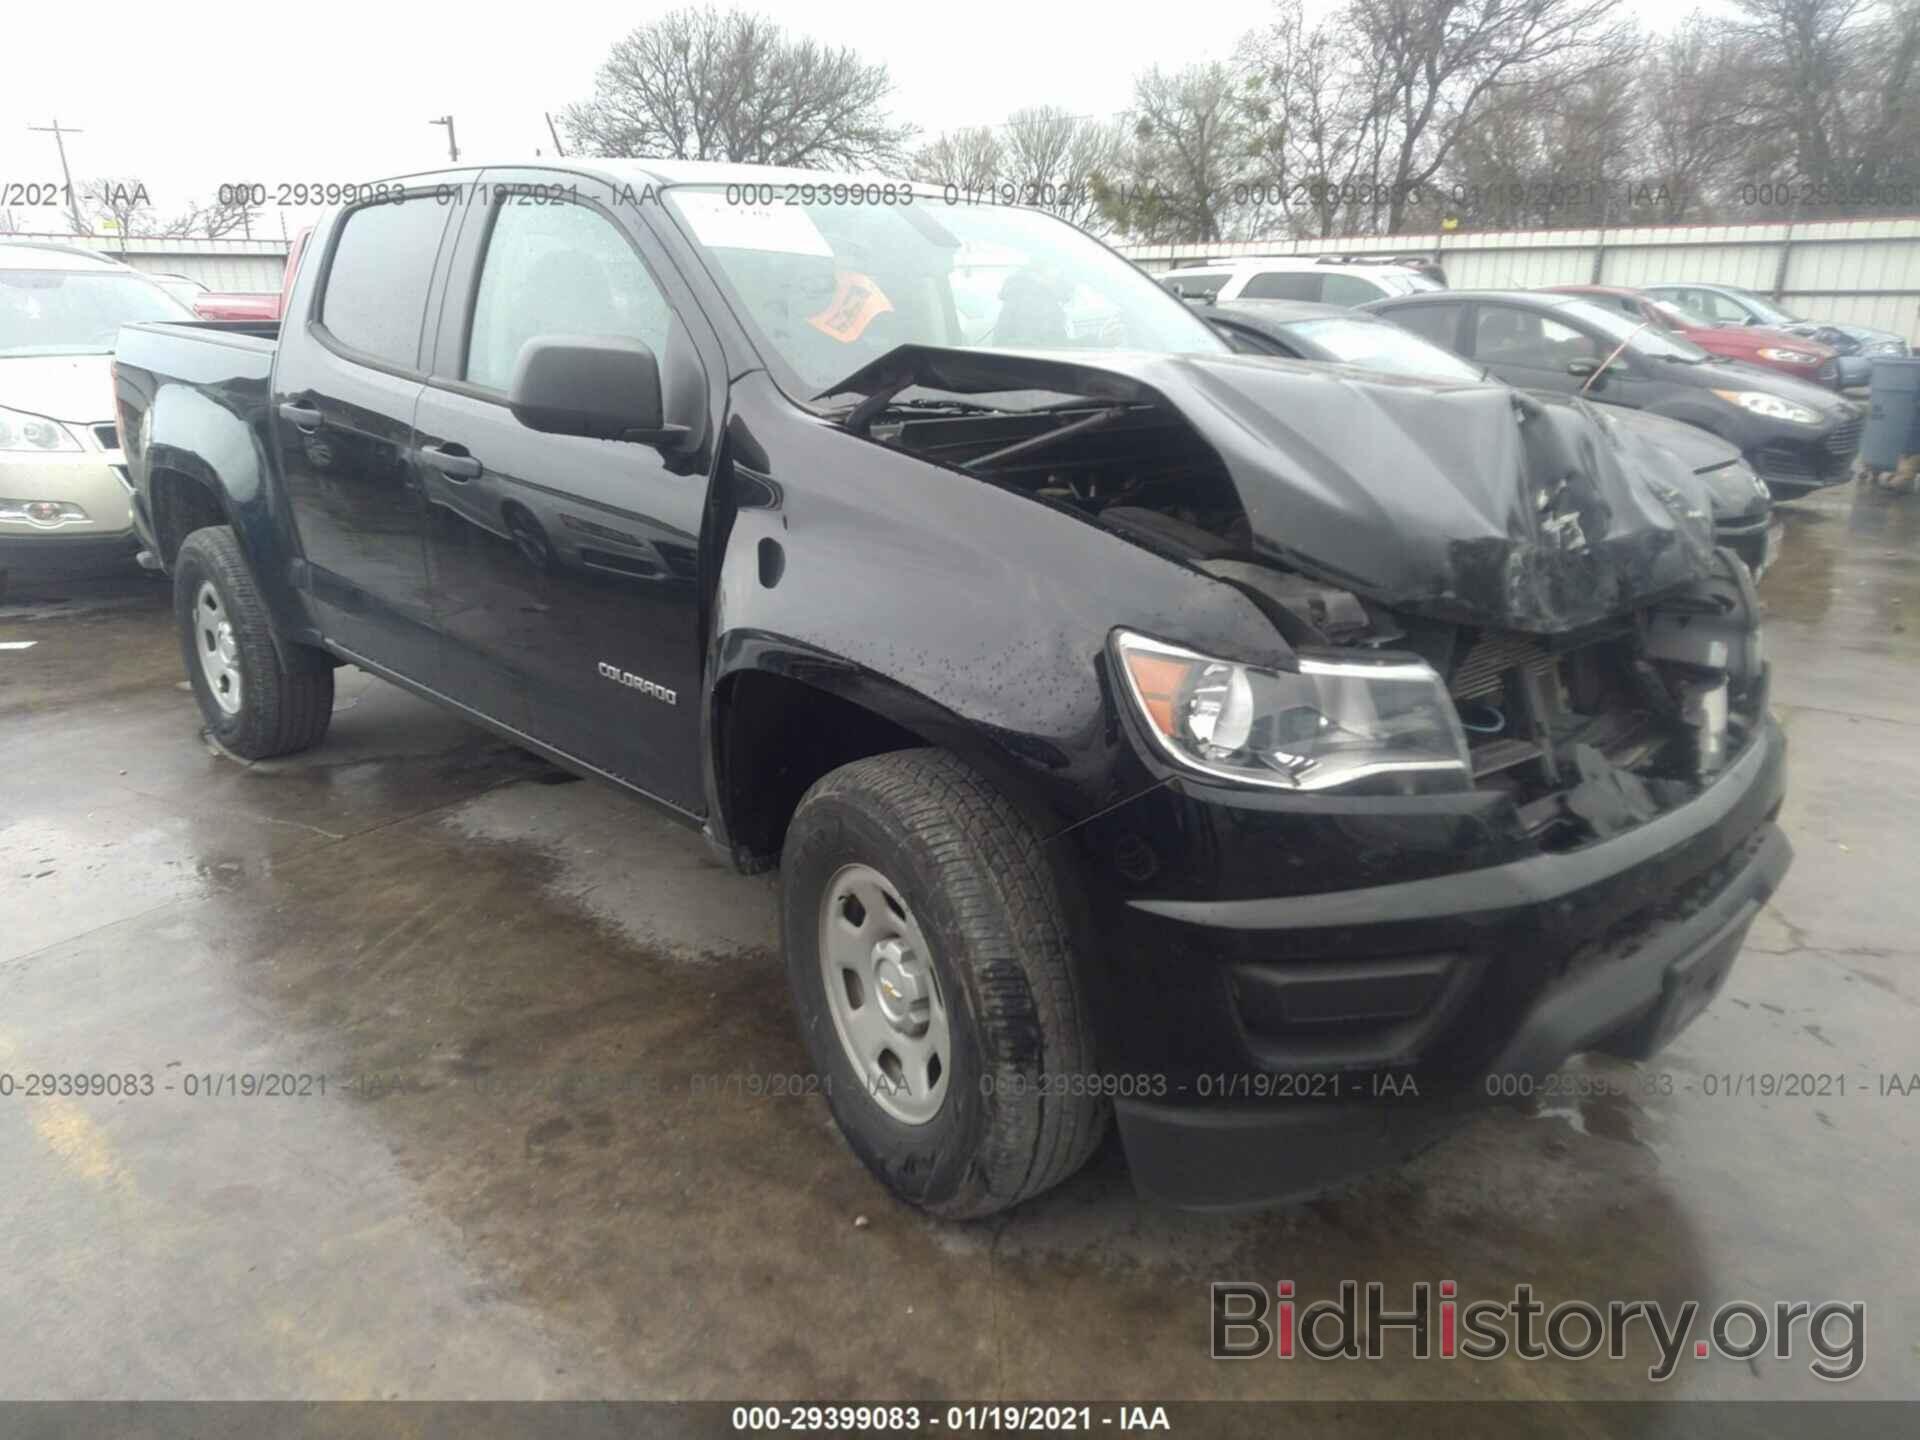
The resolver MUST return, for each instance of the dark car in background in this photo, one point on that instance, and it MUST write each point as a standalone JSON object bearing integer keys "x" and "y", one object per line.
{"x": 1742, "y": 510}
{"x": 1797, "y": 356}
{"x": 1798, "y": 436}
{"x": 1858, "y": 345}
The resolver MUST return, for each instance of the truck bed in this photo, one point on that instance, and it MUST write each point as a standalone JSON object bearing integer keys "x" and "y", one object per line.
{"x": 246, "y": 334}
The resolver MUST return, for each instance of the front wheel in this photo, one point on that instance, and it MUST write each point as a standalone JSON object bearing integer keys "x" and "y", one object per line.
{"x": 928, "y": 956}
{"x": 256, "y": 701}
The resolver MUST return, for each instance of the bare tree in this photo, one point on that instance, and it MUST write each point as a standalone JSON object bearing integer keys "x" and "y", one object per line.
{"x": 1698, "y": 96}
{"x": 1062, "y": 163}
{"x": 972, "y": 159}
{"x": 1323, "y": 140}
{"x": 1191, "y": 149}
{"x": 213, "y": 221}
{"x": 700, "y": 84}
{"x": 1838, "y": 82}
{"x": 1437, "y": 62}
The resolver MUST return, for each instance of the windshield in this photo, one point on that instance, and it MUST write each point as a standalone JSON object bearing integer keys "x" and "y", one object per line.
{"x": 1765, "y": 311}
{"x": 76, "y": 312}
{"x": 827, "y": 288}
{"x": 1651, "y": 341}
{"x": 1380, "y": 346}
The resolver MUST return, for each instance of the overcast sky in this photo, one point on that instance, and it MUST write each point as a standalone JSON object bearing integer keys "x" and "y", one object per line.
{"x": 186, "y": 97}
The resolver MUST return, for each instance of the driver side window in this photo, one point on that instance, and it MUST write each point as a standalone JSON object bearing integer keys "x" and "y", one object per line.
{"x": 1718, "y": 307}
{"x": 558, "y": 270}
{"x": 1507, "y": 336}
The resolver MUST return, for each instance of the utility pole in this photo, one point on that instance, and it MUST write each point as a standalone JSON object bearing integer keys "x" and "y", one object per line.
{"x": 558, "y": 149}
{"x": 453, "y": 150}
{"x": 73, "y": 201}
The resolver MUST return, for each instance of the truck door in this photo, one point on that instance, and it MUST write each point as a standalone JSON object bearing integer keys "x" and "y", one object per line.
{"x": 347, "y": 377}
{"x": 565, "y": 570}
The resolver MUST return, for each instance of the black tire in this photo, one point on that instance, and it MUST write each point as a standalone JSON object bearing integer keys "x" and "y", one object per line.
{"x": 286, "y": 698}
{"x": 971, "y": 872}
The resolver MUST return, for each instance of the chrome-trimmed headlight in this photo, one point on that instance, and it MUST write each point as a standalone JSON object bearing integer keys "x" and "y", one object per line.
{"x": 1338, "y": 722}
{"x": 21, "y": 433}
{"x": 1788, "y": 357}
{"x": 1759, "y": 402}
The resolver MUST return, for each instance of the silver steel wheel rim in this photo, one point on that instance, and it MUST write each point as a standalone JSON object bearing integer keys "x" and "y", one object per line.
{"x": 883, "y": 994}
{"x": 218, "y": 648}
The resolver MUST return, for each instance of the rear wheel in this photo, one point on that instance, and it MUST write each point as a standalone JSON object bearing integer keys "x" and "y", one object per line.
{"x": 256, "y": 701}
{"x": 927, "y": 952}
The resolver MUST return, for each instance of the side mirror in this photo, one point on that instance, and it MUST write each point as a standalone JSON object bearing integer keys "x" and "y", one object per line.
{"x": 604, "y": 388}
{"x": 1582, "y": 368}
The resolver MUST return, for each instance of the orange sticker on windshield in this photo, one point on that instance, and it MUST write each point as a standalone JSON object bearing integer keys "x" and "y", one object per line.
{"x": 856, "y": 302}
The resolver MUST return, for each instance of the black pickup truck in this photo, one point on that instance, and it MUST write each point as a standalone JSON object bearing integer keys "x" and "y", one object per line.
{"x": 1280, "y": 758}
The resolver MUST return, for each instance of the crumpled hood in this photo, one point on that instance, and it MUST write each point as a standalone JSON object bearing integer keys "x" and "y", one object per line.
{"x": 1473, "y": 502}
{"x": 75, "y": 388}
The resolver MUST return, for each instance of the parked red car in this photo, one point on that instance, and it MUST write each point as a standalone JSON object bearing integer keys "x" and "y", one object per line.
{"x": 1777, "y": 350}
{"x": 241, "y": 305}
{"x": 237, "y": 305}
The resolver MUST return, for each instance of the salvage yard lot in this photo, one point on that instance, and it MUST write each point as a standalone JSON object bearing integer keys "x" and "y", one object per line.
{"x": 558, "y": 1151}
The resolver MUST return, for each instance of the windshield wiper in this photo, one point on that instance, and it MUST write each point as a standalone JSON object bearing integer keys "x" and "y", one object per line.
{"x": 958, "y": 407}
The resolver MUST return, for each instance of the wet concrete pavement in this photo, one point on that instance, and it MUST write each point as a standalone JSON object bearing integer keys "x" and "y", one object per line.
{"x": 555, "y": 1155}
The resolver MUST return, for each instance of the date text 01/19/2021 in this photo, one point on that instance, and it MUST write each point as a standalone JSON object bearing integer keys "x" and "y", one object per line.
{"x": 960, "y": 1418}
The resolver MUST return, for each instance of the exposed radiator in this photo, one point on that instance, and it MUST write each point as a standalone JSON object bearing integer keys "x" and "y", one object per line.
{"x": 1483, "y": 668}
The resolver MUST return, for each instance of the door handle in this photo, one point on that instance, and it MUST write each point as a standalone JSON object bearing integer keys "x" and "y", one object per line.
{"x": 450, "y": 461}
{"x": 303, "y": 417}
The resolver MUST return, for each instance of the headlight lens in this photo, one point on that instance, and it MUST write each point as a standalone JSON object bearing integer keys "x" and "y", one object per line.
{"x": 1771, "y": 406}
{"x": 21, "y": 431}
{"x": 1386, "y": 726}
{"x": 1887, "y": 347}
{"x": 1789, "y": 357}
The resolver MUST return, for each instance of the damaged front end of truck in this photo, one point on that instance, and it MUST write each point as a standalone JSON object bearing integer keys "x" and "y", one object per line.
{"x": 1506, "y": 796}
{"x": 1555, "y": 576}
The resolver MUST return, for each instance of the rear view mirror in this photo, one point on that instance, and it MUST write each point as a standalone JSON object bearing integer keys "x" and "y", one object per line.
{"x": 604, "y": 388}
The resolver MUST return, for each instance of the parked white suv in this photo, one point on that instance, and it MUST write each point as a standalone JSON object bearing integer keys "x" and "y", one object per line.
{"x": 64, "y": 497}
{"x": 1326, "y": 279}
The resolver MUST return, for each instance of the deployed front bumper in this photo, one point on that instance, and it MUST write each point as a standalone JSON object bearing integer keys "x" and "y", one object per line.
{"x": 1268, "y": 1045}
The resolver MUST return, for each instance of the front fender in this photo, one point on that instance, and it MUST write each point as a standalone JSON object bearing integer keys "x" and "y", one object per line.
{"x": 974, "y": 616}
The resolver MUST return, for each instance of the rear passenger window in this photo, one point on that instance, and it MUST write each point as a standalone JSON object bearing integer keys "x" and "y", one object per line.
{"x": 377, "y": 286}
{"x": 1285, "y": 285}
{"x": 1348, "y": 290}
{"x": 1504, "y": 335}
{"x": 558, "y": 270}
